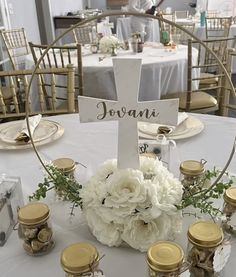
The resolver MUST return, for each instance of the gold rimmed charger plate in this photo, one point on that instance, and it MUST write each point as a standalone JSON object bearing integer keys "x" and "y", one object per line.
{"x": 188, "y": 128}
{"x": 46, "y": 132}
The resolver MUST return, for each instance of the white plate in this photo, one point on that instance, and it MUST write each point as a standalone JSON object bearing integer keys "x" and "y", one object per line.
{"x": 188, "y": 128}
{"x": 46, "y": 132}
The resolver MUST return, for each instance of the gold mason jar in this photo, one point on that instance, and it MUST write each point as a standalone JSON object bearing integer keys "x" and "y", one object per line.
{"x": 80, "y": 259}
{"x": 165, "y": 259}
{"x": 66, "y": 165}
{"x": 192, "y": 175}
{"x": 203, "y": 239}
{"x": 35, "y": 229}
{"x": 229, "y": 210}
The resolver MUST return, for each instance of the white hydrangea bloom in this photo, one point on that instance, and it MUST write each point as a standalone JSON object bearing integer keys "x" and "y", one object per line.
{"x": 109, "y": 234}
{"x": 107, "y": 43}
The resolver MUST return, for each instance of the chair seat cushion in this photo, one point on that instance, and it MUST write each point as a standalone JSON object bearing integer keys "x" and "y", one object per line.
{"x": 199, "y": 100}
{"x": 210, "y": 79}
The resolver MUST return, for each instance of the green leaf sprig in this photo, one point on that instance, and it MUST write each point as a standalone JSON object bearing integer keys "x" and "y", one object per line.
{"x": 203, "y": 198}
{"x": 66, "y": 188}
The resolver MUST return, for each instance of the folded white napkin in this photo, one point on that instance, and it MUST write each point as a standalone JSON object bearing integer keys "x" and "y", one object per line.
{"x": 156, "y": 129}
{"x": 23, "y": 135}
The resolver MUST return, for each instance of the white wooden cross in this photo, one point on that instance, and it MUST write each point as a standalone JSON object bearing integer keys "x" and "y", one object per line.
{"x": 127, "y": 110}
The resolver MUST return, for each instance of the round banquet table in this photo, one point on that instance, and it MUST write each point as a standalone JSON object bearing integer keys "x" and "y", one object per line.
{"x": 92, "y": 144}
{"x": 163, "y": 72}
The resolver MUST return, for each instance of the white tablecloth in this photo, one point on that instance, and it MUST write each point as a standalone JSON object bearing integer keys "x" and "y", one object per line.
{"x": 91, "y": 144}
{"x": 162, "y": 73}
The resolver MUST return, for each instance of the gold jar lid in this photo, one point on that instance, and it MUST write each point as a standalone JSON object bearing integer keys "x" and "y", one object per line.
{"x": 191, "y": 167}
{"x": 205, "y": 234}
{"x": 64, "y": 164}
{"x": 230, "y": 196}
{"x": 33, "y": 213}
{"x": 165, "y": 256}
{"x": 77, "y": 258}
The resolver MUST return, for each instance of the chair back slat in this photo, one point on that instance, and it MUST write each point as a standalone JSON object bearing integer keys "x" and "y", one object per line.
{"x": 42, "y": 101}
{"x": 13, "y": 88}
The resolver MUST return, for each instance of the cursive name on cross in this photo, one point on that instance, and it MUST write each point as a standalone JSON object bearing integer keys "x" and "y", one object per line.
{"x": 128, "y": 110}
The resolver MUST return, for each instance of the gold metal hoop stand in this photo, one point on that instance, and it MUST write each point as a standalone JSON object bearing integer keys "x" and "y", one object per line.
{"x": 160, "y": 18}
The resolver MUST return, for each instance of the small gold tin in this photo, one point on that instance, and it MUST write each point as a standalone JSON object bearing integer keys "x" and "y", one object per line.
{"x": 33, "y": 213}
{"x": 165, "y": 256}
{"x": 64, "y": 164}
{"x": 78, "y": 258}
{"x": 205, "y": 234}
{"x": 230, "y": 196}
{"x": 192, "y": 168}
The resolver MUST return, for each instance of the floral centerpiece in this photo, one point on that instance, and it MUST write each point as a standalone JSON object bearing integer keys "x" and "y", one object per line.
{"x": 108, "y": 44}
{"x": 136, "y": 207}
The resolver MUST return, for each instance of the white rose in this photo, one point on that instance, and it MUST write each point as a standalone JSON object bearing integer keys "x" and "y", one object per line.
{"x": 169, "y": 191}
{"x": 140, "y": 234}
{"x": 107, "y": 43}
{"x": 115, "y": 215}
{"x": 126, "y": 188}
{"x": 104, "y": 171}
{"x": 95, "y": 191}
{"x": 93, "y": 194}
{"x": 150, "y": 166}
{"x": 109, "y": 234}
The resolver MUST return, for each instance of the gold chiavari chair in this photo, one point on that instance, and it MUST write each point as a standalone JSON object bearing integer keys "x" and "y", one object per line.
{"x": 61, "y": 101}
{"x": 219, "y": 47}
{"x": 227, "y": 94}
{"x": 17, "y": 46}
{"x": 165, "y": 26}
{"x": 181, "y": 14}
{"x": 60, "y": 56}
{"x": 212, "y": 13}
{"x": 181, "y": 37}
{"x": 86, "y": 34}
{"x": 217, "y": 27}
{"x": 198, "y": 98}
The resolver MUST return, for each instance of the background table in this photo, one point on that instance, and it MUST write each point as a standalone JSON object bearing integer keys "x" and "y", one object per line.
{"x": 162, "y": 73}
{"x": 92, "y": 144}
